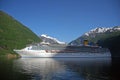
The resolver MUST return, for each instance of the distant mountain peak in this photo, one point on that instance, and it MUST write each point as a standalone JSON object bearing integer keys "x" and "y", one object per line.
{"x": 46, "y": 36}
{"x": 48, "y": 39}
{"x": 101, "y": 30}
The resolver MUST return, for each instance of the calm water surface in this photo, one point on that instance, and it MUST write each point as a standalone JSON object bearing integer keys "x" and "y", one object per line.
{"x": 55, "y": 69}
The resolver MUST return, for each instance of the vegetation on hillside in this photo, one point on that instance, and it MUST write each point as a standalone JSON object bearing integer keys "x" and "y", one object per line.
{"x": 113, "y": 43}
{"x": 13, "y": 34}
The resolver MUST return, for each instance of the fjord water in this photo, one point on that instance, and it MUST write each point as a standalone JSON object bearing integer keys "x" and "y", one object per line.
{"x": 55, "y": 69}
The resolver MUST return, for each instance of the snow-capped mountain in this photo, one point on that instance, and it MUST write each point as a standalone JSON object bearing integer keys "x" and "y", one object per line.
{"x": 102, "y": 30}
{"x": 97, "y": 34}
{"x": 50, "y": 40}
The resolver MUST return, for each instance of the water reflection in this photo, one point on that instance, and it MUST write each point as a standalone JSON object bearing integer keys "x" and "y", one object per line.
{"x": 64, "y": 68}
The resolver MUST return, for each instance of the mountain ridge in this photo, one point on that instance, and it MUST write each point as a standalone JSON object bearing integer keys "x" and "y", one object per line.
{"x": 103, "y": 30}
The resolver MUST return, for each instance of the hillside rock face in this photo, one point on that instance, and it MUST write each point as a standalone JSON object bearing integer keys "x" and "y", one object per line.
{"x": 13, "y": 34}
{"x": 50, "y": 40}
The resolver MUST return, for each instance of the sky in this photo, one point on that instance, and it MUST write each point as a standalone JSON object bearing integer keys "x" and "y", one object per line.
{"x": 64, "y": 19}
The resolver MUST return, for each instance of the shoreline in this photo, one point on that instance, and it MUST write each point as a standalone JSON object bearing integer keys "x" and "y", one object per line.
{"x": 10, "y": 56}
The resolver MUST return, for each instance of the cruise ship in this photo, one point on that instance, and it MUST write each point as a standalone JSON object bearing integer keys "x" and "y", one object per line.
{"x": 60, "y": 50}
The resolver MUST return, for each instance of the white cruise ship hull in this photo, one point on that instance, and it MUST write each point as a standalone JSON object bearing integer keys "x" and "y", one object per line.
{"x": 42, "y": 53}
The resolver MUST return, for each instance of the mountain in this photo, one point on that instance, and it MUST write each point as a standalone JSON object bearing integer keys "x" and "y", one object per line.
{"x": 105, "y": 37}
{"x": 94, "y": 35}
{"x": 13, "y": 34}
{"x": 50, "y": 40}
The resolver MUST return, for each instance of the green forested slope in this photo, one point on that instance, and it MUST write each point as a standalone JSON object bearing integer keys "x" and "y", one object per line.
{"x": 113, "y": 43}
{"x": 13, "y": 34}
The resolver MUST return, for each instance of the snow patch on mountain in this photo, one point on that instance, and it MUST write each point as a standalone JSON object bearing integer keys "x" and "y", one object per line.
{"x": 51, "y": 38}
{"x": 101, "y": 30}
